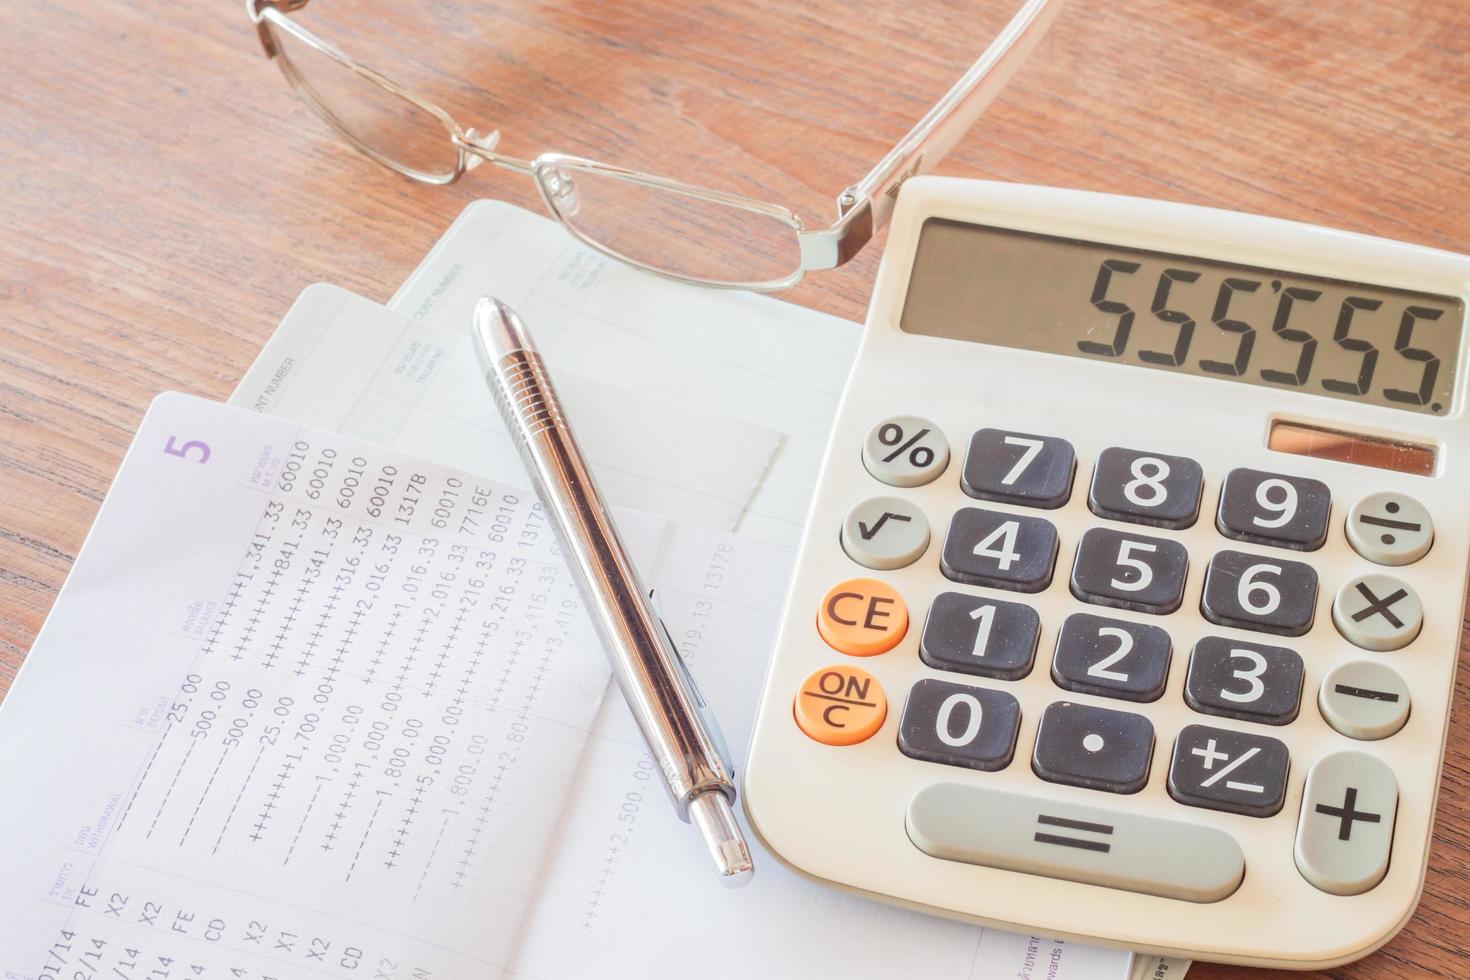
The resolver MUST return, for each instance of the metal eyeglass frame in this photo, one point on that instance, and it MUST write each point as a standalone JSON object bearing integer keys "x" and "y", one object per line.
{"x": 862, "y": 208}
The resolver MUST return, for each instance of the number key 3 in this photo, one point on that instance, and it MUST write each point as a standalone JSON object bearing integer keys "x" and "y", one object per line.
{"x": 1245, "y": 681}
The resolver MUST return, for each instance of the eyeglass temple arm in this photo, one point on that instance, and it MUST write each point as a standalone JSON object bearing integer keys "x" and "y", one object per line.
{"x": 867, "y": 205}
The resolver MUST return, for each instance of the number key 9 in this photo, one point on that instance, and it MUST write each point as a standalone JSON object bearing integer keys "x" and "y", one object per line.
{"x": 1268, "y": 508}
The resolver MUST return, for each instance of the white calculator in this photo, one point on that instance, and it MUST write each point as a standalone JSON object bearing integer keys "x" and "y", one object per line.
{"x": 1129, "y": 604}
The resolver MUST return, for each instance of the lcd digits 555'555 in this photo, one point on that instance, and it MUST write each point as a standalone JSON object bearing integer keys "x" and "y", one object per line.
{"x": 1330, "y": 337}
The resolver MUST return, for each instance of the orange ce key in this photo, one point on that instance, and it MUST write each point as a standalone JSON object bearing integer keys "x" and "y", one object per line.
{"x": 840, "y": 705}
{"x": 863, "y": 617}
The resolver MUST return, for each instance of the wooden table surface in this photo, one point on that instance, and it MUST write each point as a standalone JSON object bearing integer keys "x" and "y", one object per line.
{"x": 163, "y": 198}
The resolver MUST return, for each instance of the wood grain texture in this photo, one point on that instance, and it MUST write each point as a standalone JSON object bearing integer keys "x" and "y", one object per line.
{"x": 163, "y": 198}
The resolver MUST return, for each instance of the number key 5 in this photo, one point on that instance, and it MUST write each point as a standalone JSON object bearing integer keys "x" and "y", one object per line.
{"x": 1129, "y": 571}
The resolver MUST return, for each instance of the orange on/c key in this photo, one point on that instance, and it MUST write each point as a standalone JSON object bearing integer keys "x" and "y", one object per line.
{"x": 840, "y": 705}
{"x": 863, "y": 617}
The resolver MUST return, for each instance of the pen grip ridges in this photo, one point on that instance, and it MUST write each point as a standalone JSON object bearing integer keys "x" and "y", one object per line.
{"x": 526, "y": 395}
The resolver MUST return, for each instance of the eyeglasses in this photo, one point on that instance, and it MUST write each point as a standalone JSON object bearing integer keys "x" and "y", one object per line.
{"x": 677, "y": 230}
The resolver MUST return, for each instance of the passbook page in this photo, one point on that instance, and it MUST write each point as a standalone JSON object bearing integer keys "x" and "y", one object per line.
{"x": 629, "y": 893}
{"x": 754, "y": 358}
{"x": 304, "y": 708}
{"x": 349, "y": 365}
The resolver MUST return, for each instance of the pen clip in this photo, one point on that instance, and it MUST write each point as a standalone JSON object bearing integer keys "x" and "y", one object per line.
{"x": 706, "y": 714}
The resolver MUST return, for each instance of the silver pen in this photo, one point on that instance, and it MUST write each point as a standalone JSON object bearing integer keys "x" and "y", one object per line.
{"x": 671, "y": 713}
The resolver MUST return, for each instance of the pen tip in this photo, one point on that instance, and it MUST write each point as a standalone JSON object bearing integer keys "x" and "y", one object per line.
{"x": 712, "y": 814}
{"x": 498, "y": 330}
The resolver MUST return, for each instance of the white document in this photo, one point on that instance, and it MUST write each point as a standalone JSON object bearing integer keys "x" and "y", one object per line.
{"x": 304, "y": 707}
{"x": 753, "y": 357}
{"x": 348, "y": 365}
{"x": 311, "y": 708}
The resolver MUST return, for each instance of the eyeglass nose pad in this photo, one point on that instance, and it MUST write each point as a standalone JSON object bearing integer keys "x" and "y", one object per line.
{"x": 487, "y": 142}
{"x": 562, "y": 190}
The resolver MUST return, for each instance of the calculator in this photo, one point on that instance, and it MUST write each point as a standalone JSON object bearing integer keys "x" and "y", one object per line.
{"x": 1129, "y": 603}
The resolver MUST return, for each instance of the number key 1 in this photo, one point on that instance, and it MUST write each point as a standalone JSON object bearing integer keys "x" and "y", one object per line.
{"x": 979, "y": 635}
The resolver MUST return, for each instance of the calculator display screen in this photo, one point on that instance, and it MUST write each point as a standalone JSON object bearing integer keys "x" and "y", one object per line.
{"x": 1196, "y": 316}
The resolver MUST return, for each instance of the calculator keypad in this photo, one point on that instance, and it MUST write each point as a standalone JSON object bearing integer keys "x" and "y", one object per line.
{"x": 1129, "y": 571}
{"x": 1269, "y": 508}
{"x": 999, "y": 550}
{"x": 959, "y": 725}
{"x": 979, "y": 635}
{"x": 885, "y": 533}
{"x": 1146, "y": 488}
{"x": 1080, "y": 745}
{"x": 1019, "y": 468}
{"x": 1111, "y": 657}
{"x": 1272, "y": 595}
{"x": 1378, "y": 612}
{"x": 1238, "y": 772}
{"x": 1245, "y": 681}
{"x": 949, "y": 722}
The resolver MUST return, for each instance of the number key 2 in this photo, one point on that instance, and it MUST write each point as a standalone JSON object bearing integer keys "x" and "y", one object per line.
{"x": 1245, "y": 681}
{"x": 1146, "y": 488}
{"x": 1273, "y": 595}
{"x": 1268, "y": 508}
{"x": 1111, "y": 657}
